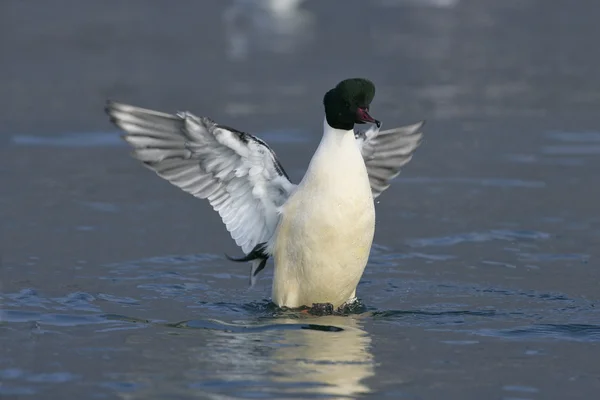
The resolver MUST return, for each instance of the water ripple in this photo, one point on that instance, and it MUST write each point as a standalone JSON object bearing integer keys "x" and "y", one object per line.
{"x": 476, "y": 237}
{"x": 427, "y": 314}
{"x": 575, "y": 137}
{"x": 584, "y": 258}
{"x": 20, "y": 316}
{"x": 213, "y": 324}
{"x": 489, "y": 182}
{"x": 571, "y": 150}
{"x": 89, "y": 139}
{"x": 570, "y": 332}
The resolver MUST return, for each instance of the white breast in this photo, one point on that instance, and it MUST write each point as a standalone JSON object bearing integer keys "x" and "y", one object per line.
{"x": 325, "y": 234}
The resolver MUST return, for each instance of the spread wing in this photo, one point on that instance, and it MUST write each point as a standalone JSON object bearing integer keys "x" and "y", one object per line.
{"x": 386, "y": 152}
{"x": 236, "y": 172}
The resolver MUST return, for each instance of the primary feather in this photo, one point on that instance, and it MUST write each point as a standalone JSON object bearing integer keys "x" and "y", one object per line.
{"x": 236, "y": 172}
{"x": 386, "y": 152}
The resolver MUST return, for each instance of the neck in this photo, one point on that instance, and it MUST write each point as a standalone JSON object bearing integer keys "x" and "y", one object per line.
{"x": 328, "y": 130}
{"x": 335, "y": 123}
{"x": 336, "y": 159}
{"x": 334, "y": 142}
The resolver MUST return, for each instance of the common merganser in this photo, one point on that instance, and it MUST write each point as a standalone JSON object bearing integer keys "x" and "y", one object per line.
{"x": 320, "y": 231}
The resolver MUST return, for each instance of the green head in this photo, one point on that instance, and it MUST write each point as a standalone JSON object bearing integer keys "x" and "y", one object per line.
{"x": 348, "y": 103}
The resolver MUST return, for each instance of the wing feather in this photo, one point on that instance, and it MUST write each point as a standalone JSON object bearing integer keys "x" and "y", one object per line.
{"x": 236, "y": 172}
{"x": 386, "y": 152}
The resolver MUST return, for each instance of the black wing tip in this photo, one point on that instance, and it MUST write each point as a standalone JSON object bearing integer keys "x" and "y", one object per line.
{"x": 111, "y": 107}
{"x": 257, "y": 252}
{"x": 236, "y": 259}
{"x": 248, "y": 257}
{"x": 108, "y": 108}
{"x": 111, "y": 104}
{"x": 242, "y": 134}
{"x": 256, "y": 270}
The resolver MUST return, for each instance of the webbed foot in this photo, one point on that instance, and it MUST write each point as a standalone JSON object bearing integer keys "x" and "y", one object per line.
{"x": 321, "y": 309}
{"x": 353, "y": 306}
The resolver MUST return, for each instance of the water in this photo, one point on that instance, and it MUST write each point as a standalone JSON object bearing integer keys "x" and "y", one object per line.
{"x": 483, "y": 282}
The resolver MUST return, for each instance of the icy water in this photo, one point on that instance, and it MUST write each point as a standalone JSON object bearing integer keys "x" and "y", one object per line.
{"x": 483, "y": 282}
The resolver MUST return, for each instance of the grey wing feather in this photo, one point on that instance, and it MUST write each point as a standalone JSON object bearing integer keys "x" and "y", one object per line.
{"x": 237, "y": 172}
{"x": 386, "y": 152}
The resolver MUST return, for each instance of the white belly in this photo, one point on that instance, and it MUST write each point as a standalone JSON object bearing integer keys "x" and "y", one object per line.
{"x": 325, "y": 234}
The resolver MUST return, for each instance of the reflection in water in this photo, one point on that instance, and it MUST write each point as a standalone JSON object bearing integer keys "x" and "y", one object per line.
{"x": 278, "y": 26}
{"x": 314, "y": 356}
{"x": 336, "y": 363}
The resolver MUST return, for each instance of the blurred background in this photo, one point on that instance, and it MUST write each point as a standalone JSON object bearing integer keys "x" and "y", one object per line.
{"x": 485, "y": 246}
{"x": 265, "y": 64}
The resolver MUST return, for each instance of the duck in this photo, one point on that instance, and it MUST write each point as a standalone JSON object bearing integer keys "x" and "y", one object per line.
{"x": 318, "y": 232}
